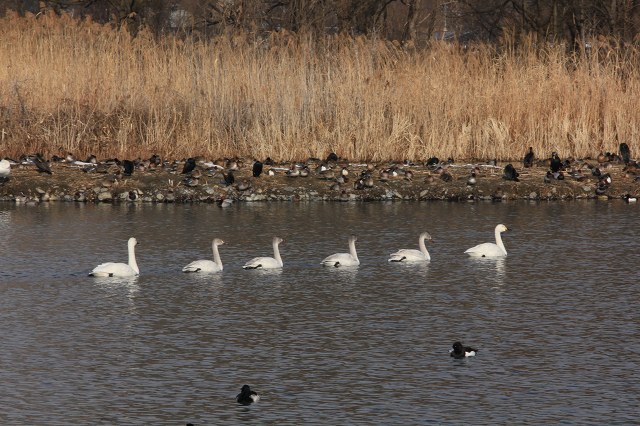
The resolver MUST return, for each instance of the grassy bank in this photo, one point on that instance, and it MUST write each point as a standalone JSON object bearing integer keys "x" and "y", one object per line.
{"x": 71, "y": 86}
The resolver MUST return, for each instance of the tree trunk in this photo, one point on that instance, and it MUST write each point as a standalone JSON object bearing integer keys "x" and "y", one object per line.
{"x": 410, "y": 26}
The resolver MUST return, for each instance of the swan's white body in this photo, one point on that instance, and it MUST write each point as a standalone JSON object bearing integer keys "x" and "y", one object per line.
{"x": 111, "y": 269}
{"x": 413, "y": 255}
{"x": 207, "y": 266}
{"x": 5, "y": 168}
{"x": 344, "y": 259}
{"x": 274, "y": 262}
{"x": 490, "y": 249}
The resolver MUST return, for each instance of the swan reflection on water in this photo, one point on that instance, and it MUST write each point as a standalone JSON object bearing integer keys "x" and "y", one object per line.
{"x": 495, "y": 266}
{"x": 420, "y": 268}
{"x": 343, "y": 274}
{"x": 267, "y": 272}
{"x": 127, "y": 286}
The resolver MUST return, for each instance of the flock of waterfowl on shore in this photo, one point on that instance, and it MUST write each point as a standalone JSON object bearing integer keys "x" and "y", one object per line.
{"x": 340, "y": 175}
{"x": 130, "y": 269}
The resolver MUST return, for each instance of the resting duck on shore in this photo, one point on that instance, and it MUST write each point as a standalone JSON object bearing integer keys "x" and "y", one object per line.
{"x": 510, "y": 173}
{"x": 528, "y": 158}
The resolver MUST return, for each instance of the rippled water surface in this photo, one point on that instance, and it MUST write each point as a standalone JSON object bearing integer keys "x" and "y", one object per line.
{"x": 556, "y": 322}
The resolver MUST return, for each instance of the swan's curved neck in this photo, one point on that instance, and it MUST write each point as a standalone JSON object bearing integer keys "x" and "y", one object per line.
{"x": 352, "y": 248}
{"x": 499, "y": 242}
{"x": 276, "y": 252}
{"x": 132, "y": 259}
{"x": 216, "y": 256}
{"x": 423, "y": 248}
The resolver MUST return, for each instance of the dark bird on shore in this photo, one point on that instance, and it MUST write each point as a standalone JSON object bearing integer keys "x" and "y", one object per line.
{"x": 548, "y": 177}
{"x": 256, "y": 169}
{"x": 155, "y": 160}
{"x": 596, "y": 172}
{"x": 555, "y": 163}
{"x": 625, "y": 153}
{"x": 189, "y": 165}
{"x": 510, "y": 173}
{"x": 459, "y": 351}
{"x": 269, "y": 162}
{"x": 528, "y": 158}
{"x": 128, "y": 166}
{"x": 432, "y": 161}
{"x": 92, "y": 159}
{"x": 446, "y": 176}
{"x": 247, "y": 396}
{"x": 228, "y": 178}
{"x": 332, "y": 157}
{"x": 42, "y": 166}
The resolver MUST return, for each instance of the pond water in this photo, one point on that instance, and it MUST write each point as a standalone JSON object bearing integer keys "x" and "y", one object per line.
{"x": 556, "y": 322}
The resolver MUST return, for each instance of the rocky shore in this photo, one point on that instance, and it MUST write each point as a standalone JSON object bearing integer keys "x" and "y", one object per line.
{"x": 210, "y": 183}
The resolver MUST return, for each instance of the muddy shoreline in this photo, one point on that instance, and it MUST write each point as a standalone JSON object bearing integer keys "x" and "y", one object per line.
{"x": 71, "y": 183}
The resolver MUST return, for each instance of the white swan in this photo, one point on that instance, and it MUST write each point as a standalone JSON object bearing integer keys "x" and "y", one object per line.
{"x": 490, "y": 249}
{"x": 111, "y": 269}
{"x": 344, "y": 259}
{"x": 412, "y": 255}
{"x": 214, "y": 265}
{"x": 274, "y": 262}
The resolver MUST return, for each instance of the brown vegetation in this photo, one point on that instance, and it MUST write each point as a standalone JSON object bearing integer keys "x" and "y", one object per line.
{"x": 87, "y": 88}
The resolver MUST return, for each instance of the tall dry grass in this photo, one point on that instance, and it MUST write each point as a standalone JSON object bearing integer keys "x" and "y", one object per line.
{"x": 80, "y": 87}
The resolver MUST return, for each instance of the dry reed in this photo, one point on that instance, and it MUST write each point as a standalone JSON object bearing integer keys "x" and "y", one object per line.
{"x": 77, "y": 86}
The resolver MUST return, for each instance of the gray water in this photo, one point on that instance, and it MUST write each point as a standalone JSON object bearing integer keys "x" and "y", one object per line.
{"x": 556, "y": 322}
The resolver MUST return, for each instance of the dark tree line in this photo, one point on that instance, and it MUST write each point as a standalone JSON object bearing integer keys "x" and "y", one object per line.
{"x": 572, "y": 21}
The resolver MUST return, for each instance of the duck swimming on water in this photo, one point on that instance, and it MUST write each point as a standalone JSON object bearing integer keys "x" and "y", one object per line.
{"x": 247, "y": 396}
